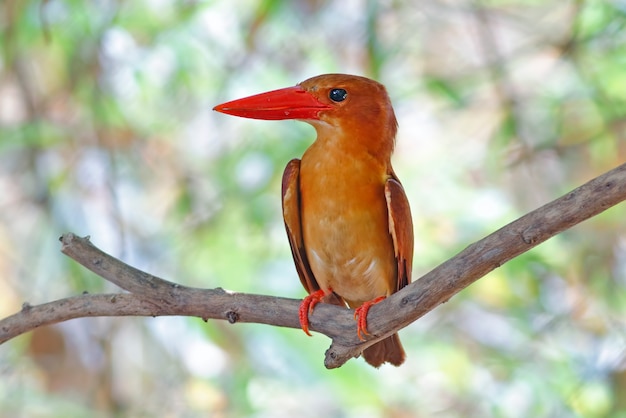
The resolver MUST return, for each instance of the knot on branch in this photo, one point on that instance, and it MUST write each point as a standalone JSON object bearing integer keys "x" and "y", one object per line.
{"x": 232, "y": 317}
{"x": 530, "y": 235}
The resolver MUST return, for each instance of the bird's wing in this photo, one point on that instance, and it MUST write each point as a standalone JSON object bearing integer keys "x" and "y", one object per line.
{"x": 293, "y": 225}
{"x": 400, "y": 228}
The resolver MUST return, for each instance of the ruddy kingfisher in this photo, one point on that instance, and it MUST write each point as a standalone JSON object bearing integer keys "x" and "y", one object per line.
{"x": 347, "y": 216}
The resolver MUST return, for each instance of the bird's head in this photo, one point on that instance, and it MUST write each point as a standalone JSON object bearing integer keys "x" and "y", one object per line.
{"x": 339, "y": 106}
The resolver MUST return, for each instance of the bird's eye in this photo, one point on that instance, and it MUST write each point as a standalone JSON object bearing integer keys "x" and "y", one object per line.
{"x": 338, "y": 95}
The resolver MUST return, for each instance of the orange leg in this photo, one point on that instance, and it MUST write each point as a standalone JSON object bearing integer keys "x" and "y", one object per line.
{"x": 360, "y": 315}
{"x": 306, "y": 308}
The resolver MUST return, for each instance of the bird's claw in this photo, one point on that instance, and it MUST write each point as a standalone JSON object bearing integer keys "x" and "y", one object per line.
{"x": 360, "y": 316}
{"x": 306, "y": 308}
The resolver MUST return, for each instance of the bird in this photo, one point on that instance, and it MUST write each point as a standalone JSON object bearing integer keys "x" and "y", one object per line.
{"x": 346, "y": 214}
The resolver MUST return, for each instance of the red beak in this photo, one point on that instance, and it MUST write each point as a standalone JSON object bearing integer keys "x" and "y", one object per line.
{"x": 287, "y": 103}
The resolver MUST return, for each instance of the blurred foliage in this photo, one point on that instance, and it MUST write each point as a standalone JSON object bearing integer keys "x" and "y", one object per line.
{"x": 106, "y": 130}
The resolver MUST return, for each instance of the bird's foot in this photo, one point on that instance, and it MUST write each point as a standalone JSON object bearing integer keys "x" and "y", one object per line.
{"x": 360, "y": 315}
{"x": 306, "y": 308}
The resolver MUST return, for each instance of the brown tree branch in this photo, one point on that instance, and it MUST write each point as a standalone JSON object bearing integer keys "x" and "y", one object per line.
{"x": 152, "y": 296}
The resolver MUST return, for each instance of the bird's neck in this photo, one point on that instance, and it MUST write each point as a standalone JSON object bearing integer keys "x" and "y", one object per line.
{"x": 354, "y": 143}
{"x": 344, "y": 160}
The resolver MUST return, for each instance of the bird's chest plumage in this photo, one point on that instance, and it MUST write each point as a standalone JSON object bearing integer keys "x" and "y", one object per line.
{"x": 345, "y": 225}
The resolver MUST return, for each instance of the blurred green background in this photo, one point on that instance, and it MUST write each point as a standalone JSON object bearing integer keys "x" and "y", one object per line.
{"x": 106, "y": 130}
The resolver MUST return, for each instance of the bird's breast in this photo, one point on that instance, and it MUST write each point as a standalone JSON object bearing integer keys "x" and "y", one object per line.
{"x": 345, "y": 225}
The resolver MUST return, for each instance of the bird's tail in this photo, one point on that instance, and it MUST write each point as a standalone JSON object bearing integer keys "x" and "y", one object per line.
{"x": 388, "y": 350}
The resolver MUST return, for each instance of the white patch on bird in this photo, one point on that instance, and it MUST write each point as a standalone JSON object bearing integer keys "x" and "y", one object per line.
{"x": 351, "y": 262}
{"x": 359, "y": 267}
{"x": 370, "y": 269}
{"x": 392, "y": 224}
{"x": 288, "y": 195}
{"x": 317, "y": 258}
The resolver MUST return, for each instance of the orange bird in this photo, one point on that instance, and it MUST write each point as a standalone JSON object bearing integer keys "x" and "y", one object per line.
{"x": 346, "y": 213}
